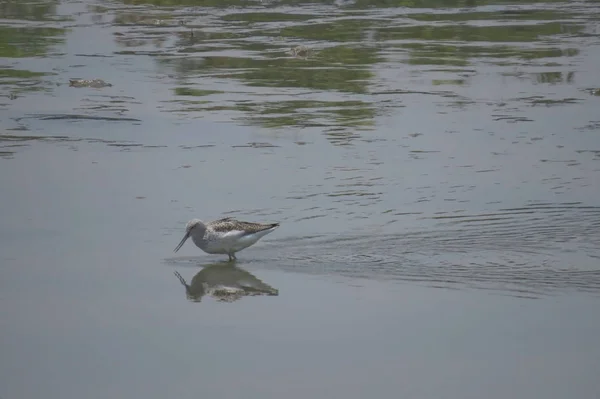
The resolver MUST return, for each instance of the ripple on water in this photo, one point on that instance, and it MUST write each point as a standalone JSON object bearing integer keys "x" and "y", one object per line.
{"x": 532, "y": 250}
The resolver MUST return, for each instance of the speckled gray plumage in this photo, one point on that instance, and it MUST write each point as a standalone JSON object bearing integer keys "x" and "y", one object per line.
{"x": 230, "y": 224}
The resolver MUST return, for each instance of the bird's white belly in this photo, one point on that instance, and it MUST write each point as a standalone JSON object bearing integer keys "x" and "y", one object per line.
{"x": 226, "y": 244}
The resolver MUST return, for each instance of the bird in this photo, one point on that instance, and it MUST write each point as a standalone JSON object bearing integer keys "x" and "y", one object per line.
{"x": 225, "y": 283}
{"x": 225, "y": 236}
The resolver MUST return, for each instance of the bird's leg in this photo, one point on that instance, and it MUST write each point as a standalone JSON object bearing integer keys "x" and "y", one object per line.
{"x": 233, "y": 256}
{"x": 230, "y": 258}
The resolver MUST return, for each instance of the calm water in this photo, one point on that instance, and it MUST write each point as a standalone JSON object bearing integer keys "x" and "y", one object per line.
{"x": 434, "y": 165}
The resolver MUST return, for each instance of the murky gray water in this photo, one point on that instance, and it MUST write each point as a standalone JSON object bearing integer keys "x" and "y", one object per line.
{"x": 434, "y": 166}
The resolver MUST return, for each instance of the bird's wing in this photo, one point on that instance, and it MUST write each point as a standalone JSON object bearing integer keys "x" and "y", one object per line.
{"x": 237, "y": 227}
{"x": 222, "y": 220}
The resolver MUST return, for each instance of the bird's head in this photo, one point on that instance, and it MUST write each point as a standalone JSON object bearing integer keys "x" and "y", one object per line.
{"x": 191, "y": 226}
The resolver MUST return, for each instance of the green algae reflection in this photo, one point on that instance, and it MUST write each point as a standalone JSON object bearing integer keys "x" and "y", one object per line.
{"x": 336, "y": 69}
{"x": 357, "y": 4}
{"x": 44, "y": 10}
{"x": 336, "y": 84}
{"x": 27, "y": 41}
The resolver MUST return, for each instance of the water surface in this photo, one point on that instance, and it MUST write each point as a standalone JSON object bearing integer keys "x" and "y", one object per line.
{"x": 433, "y": 164}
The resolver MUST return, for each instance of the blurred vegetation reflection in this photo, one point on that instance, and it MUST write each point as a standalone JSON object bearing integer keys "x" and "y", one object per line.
{"x": 321, "y": 68}
{"x": 20, "y": 41}
{"x": 335, "y": 65}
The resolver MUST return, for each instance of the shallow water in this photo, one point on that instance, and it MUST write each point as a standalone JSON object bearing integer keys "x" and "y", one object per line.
{"x": 434, "y": 167}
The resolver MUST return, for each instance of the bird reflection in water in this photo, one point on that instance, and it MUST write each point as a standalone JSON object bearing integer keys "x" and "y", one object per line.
{"x": 226, "y": 283}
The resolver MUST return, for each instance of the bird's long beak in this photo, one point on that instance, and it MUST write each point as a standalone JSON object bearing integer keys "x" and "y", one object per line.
{"x": 185, "y": 237}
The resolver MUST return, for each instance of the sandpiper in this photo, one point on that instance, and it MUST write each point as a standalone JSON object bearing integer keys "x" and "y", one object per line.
{"x": 225, "y": 236}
